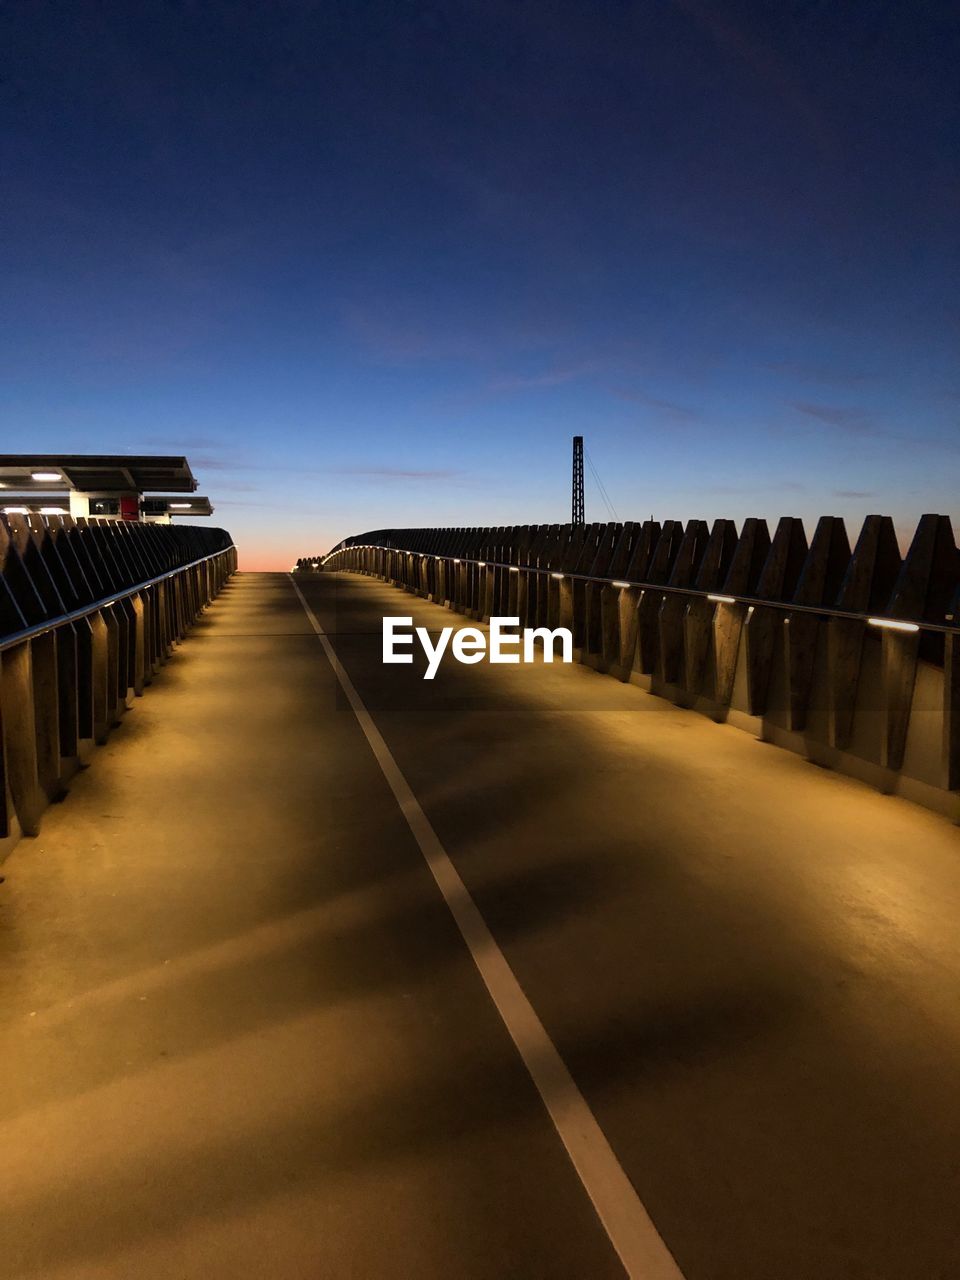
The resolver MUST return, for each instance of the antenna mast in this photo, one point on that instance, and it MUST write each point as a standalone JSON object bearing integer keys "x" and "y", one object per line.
{"x": 579, "y": 516}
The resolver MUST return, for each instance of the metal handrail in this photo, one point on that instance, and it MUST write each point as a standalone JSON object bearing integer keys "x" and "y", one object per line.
{"x": 715, "y": 597}
{"x": 76, "y": 615}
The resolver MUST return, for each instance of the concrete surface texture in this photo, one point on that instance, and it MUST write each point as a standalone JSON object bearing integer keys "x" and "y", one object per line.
{"x": 242, "y": 1037}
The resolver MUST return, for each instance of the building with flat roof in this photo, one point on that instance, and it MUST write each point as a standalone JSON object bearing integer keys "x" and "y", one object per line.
{"x": 117, "y": 487}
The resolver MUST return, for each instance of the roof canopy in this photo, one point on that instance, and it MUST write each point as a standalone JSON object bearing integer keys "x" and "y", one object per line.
{"x": 195, "y": 506}
{"x": 12, "y": 500}
{"x": 95, "y": 473}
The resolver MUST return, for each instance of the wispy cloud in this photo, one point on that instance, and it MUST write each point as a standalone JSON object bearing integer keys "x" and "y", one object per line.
{"x": 772, "y": 486}
{"x": 182, "y": 442}
{"x": 549, "y": 378}
{"x": 396, "y": 473}
{"x": 853, "y": 493}
{"x": 817, "y": 373}
{"x": 770, "y": 69}
{"x": 219, "y": 462}
{"x": 859, "y": 423}
{"x": 499, "y": 384}
{"x": 397, "y": 333}
{"x": 856, "y": 420}
{"x": 238, "y": 502}
{"x": 678, "y": 412}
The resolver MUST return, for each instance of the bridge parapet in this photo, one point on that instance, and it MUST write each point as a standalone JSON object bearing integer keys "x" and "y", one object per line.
{"x": 851, "y": 658}
{"x": 89, "y": 610}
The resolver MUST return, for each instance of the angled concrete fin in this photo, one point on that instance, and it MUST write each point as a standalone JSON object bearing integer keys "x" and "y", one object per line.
{"x": 606, "y": 548}
{"x": 698, "y": 616}
{"x": 746, "y": 566}
{"x": 17, "y": 576}
{"x": 823, "y": 570}
{"x": 865, "y": 588}
{"x": 20, "y": 736}
{"x": 645, "y": 543}
{"x": 683, "y": 574}
{"x": 648, "y": 607}
{"x": 951, "y": 700}
{"x": 617, "y": 567}
{"x": 778, "y": 581}
{"x": 922, "y": 591}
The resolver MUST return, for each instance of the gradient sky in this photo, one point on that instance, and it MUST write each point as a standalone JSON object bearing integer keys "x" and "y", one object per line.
{"x": 374, "y": 264}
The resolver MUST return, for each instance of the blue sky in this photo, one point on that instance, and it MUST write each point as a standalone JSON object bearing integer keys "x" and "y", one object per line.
{"x": 373, "y": 264}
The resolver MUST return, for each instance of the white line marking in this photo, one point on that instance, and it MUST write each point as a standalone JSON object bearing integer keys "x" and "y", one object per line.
{"x": 625, "y": 1220}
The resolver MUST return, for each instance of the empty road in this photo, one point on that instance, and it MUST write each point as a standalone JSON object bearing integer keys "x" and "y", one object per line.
{"x": 242, "y": 1034}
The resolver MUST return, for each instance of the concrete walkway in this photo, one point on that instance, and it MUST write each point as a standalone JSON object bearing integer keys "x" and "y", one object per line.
{"x": 242, "y": 1037}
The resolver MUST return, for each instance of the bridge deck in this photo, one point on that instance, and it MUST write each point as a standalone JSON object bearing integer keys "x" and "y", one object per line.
{"x": 242, "y": 1037}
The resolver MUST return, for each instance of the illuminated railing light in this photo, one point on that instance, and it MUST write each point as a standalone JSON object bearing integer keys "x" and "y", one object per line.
{"x": 481, "y": 564}
{"x": 514, "y": 568}
{"x": 722, "y": 599}
{"x": 624, "y": 586}
{"x": 891, "y": 624}
{"x": 180, "y": 506}
{"x": 455, "y": 560}
{"x": 45, "y": 475}
{"x": 558, "y": 576}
